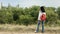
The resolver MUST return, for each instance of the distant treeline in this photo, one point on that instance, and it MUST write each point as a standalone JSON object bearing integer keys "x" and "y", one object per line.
{"x": 28, "y": 16}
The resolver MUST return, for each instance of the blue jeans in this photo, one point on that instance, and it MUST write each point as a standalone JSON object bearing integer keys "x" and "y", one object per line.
{"x": 39, "y": 25}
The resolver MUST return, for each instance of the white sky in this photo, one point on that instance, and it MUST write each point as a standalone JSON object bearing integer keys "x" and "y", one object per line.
{"x": 28, "y": 3}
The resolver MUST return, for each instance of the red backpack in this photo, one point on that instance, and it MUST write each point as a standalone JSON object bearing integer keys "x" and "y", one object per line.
{"x": 43, "y": 17}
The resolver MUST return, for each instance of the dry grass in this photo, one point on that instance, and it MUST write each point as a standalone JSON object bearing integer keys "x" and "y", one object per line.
{"x": 21, "y": 29}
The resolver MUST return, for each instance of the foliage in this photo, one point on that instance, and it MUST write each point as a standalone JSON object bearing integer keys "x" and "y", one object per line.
{"x": 26, "y": 16}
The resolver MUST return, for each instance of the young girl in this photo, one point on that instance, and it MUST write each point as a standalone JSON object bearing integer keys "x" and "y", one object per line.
{"x": 41, "y": 17}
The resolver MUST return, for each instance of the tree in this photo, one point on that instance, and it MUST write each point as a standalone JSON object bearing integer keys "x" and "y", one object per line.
{"x": 51, "y": 16}
{"x": 58, "y": 12}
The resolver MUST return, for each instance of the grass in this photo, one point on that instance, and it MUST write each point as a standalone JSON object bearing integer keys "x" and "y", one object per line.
{"x": 29, "y": 29}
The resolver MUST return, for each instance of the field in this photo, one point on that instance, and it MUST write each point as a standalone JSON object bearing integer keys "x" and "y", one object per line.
{"x": 21, "y": 29}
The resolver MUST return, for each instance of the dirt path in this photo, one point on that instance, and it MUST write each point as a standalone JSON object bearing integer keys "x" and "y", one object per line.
{"x": 26, "y": 33}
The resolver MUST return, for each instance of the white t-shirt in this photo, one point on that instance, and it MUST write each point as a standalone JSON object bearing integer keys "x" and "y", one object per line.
{"x": 40, "y": 13}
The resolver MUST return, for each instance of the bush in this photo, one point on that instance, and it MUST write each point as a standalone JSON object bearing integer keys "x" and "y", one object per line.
{"x": 26, "y": 19}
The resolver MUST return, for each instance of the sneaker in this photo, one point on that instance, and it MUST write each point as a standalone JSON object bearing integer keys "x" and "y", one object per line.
{"x": 35, "y": 31}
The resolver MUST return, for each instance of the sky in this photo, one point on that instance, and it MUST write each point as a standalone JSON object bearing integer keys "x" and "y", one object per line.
{"x": 29, "y": 3}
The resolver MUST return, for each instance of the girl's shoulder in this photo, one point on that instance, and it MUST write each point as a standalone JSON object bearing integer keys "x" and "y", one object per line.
{"x": 43, "y": 13}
